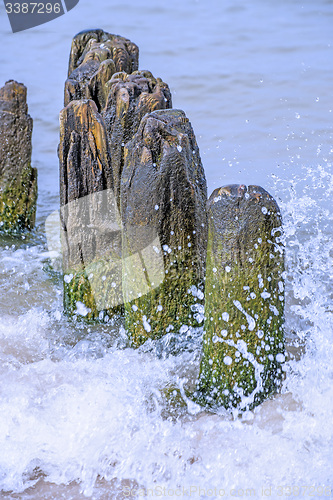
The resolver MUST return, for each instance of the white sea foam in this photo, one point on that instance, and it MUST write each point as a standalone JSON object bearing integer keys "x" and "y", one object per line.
{"x": 76, "y": 408}
{"x": 78, "y": 405}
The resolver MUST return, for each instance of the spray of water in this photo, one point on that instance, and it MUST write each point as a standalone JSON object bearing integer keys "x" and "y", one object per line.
{"x": 83, "y": 413}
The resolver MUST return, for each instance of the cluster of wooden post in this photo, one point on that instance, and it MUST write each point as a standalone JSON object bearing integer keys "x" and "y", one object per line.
{"x": 133, "y": 193}
{"x": 139, "y": 236}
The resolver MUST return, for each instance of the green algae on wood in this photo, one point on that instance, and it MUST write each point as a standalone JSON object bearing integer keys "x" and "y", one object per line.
{"x": 91, "y": 235}
{"x": 243, "y": 345}
{"x": 163, "y": 209}
{"x": 18, "y": 180}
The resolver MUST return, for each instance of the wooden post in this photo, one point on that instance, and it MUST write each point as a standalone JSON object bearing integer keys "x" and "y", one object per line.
{"x": 124, "y": 53}
{"x": 91, "y": 235}
{"x": 163, "y": 208}
{"x": 95, "y": 56}
{"x": 243, "y": 345}
{"x": 130, "y": 98}
{"x": 18, "y": 180}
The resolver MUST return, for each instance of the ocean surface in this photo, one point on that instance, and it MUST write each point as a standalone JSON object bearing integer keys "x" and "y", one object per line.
{"x": 81, "y": 414}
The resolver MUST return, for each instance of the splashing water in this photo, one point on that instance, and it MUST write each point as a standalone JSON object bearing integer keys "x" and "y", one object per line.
{"x": 82, "y": 411}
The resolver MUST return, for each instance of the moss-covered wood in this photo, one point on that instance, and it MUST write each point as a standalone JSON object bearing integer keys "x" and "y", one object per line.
{"x": 243, "y": 345}
{"x": 91, "y": 235}
{"x": 18, "y": 180}
{"x": 163, "y": 208}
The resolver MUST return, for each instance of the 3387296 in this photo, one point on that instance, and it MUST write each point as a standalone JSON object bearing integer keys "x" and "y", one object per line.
{"x": 33, "y": 8}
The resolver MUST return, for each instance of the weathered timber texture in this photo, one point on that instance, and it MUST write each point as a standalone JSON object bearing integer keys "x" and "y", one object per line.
{"x": 130, "y": 98}
{"x": 163, "y": 207}
{"x": 243, "y": 346}
{"x": 91, "y": 234}
{"x": 103, "y": 68}
{"x": 18, "y": 180}
{"x": 84, "y": 152}
{"x": 95, "y": 56}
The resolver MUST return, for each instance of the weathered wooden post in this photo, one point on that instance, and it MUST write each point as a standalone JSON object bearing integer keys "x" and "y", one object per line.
{"x": 104, "y": 68}
{"x": 95, "y": 56}
{"x": 124, "y": 53}
{"x": 243, "y": 345}
{"x": 163, "y": 208}
{"x": 91, "y": 236}
{"x": 18, "y": 180}
{"x": 130, "y": 98}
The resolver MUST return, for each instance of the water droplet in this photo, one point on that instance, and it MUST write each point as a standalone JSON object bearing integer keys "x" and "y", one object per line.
{"x": 227, "y": 360}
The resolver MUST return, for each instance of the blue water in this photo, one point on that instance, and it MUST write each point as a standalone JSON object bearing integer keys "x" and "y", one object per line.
{"x": 82, "y": 415}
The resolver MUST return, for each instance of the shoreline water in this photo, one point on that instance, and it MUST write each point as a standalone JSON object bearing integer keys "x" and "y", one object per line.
{"x": 76, "y": 404}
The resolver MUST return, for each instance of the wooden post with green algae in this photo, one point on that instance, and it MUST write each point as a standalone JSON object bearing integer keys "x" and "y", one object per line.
{"x": 163, "y": 209}
{"x": 243, "y": 345}
{"x": 91, "y": 234}
{"x": 18, "y": 180}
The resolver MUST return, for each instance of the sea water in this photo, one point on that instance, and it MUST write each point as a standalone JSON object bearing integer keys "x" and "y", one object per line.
{"x": 81, "y": 414}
